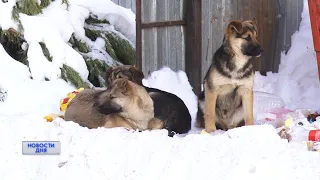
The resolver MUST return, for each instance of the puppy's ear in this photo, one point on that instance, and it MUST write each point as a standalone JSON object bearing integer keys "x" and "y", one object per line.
{"x": 254, "y": 25}
{"x": 109, "y": 71}
{"x": 137, "y": 75}
{"x": 122, "y": 82}
{"x": 235, "y": 26}
{"x": 123, "y": 85}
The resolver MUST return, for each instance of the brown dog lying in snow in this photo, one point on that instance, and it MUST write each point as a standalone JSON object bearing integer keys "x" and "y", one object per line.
{"x": 168, "y": 108}
{"x": 123, "y": 104}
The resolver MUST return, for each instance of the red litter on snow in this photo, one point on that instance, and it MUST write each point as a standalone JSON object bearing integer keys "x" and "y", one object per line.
{"x": 278, "y": 112}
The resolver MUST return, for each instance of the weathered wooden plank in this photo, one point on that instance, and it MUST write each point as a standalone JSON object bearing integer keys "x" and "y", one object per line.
{"x": 161, "y": 10}
{"x": 234, "y": 7}
{"x": 181, "y": 45}
{"x": 254, "y": 16}
{"x": 269, "y": 59}
{"x": 264, "y": 60}
{"x": 148, "y": 11}
{"x": 164, "y": 10}
{"x": 214, "y": 33}
{"x": 246, "y": 13}
{"x": 281, "y": 30}
{"x": 133, "y": 6}
{"x": 220, "y": 24}
{"x": 163, "y": 46}
{"x": 125, "y": 3}
{"x": 216, "y": 25}
{"x": 274, "y": 26}
{"x": 163, "y": 24}
{"x": 149, "y": 50}
{"x": 228, "y": 12}
{"x": 129, "y": 4}
{"x": 206, "y": 35}
{"x": 288, "y": 32}
{"x": 239, "y": 10}
{"x": 139, "y": 54}
{"x": 294, "y": 14}
{"x": 276, "y": 40}
{"x": 254, "y": 10}
{"x": 300, "y": 9}
{"x": 193, "y": 44}
{"x": 260, "y": 23}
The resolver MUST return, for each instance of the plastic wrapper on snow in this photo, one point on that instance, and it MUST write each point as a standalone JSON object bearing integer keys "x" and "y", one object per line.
{"x": 265, "y": 101}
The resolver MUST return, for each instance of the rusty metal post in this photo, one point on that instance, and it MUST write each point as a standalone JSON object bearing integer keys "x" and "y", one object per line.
{"x": 193, "y": 44}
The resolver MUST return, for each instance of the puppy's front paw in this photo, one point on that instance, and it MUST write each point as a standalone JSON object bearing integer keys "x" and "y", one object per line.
{"x": 209, "y": 123}
{"x": 211, "y": 129}
{"x": 249, "y": 123}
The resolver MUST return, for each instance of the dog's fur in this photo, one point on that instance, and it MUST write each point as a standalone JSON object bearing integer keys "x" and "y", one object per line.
{"x": 227, "y": 99}
{"x": 168, "y": 108}
{"x": 125, "y": 71}
{"x": 122, "y": 104}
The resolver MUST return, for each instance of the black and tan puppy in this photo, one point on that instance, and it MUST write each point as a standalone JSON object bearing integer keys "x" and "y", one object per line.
{"x": 227, "y": 99}
{"x": 168, "y": 108}
{"x": 122, "y": 104}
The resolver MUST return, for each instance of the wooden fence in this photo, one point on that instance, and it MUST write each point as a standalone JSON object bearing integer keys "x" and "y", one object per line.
{"x": 130, "y": 4}
{"x": 163, "y": 29}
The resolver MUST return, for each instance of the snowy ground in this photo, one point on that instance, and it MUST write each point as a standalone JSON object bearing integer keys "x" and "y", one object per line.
{"x": 254, "y": 152}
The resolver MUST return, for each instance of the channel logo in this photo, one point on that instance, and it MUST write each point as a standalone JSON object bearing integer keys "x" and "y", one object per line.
{"x": 41, "y": 147}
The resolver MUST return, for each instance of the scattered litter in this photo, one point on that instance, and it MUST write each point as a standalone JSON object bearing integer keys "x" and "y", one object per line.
{"x": 60, "y": 165}
{"x": 3, "y": 94}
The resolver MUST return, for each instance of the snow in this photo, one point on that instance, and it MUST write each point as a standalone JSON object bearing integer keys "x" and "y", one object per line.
{"x": 6, "y": 21}
{"x": 255, "y": 152}
{"x": 176, "y": 83}
{"x": 43, "y": 28}
{"x": 38, "y": 63}
{"x": 122, "y": 18}
{"x": 38, "y": 96}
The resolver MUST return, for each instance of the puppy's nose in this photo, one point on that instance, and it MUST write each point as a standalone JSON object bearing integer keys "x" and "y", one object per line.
{"x": 261, "y": 50}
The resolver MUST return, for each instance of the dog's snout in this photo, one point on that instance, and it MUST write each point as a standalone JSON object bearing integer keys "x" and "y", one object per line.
{"x": 253, "y": 49}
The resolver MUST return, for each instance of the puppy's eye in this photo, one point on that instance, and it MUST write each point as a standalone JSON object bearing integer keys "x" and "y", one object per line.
{"x": 112, "y": 96}
{"x": 118, "y": 76}
{"x": 248, "y": 38}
